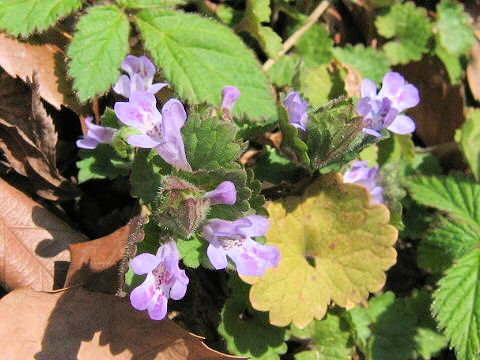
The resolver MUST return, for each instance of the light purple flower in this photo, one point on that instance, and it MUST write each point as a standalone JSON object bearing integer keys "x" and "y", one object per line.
{"x": 297, "y": 110}
{"x": 383, "y": 110}
{"x": 234, "y": 239}
{"x": 225, "y": 193}
{"x": 230, "y": 95}
{"x": 361, "y": 174}
{"x": 96, "y": 134}
{"x": 140, "y": 72}
{"x": 159, "y": 131}
{"x": 164, "y": 280}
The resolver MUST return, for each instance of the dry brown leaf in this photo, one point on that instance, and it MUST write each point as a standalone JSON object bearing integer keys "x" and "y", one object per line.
{"x": 33, "y": 242}
{"x": 473, "y": 71}
{"x": 20, "y": 59}
{"x": 77, "y": 324}
{"x": 28, "y": 139}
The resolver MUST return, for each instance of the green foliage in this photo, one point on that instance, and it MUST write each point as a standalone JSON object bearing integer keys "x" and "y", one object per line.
{"x": 452, "y": 63}
{"x": 24, "y": 17}
{"x": 292, "y": 145}
{"x": 210, "y": 143}
{"x": 315, "y": 46}
{"x": 98, "y": 47}
{"x": 318, "y": 85}
{"x": 146, "y": 176}
{"x": 370, "y": 63}
{"x": 283, "y": 71}
{"x": 275, "y": 168}
{"x": 468, "y": 138}
{"x": 455, "y": 33}
{"x": 192, "y": 251}
{"x": 200, "y": 57}
{"x": 457, "y": 305}
{"x": 247, "y": 332}
{"x": 397, "y": 24}
{"x": 101, "y": 163}
{"x": 150, "y": 4}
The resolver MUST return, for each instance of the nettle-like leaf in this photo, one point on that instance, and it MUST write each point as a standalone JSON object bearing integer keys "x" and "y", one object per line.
{"x": 468, "y": 138}
{"x": 24, "y": 17}
{"x": 98, "y": 47}
{"x": 334, "y": 247}
{"x": 455, "y": 32}
{"x": 397, "y": 24}
{"x": 456, "y": 305}
{"x": 151, "y": 4}
{"x": 331, "y": 338}
{"x": 200, "y": 57}
{"x": 210, "y": 143}
{"x": 370, "y": 63}
{"x": 247, "y": 332}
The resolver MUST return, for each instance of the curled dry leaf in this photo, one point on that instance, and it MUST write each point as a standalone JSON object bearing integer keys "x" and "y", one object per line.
{"x": 33, "y": 242}
{"x": 77, "y": 324}
{"x": 28, "y": 139}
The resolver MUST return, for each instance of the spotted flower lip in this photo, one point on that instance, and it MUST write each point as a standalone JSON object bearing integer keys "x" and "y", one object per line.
{"x": 297, "y": 110}
{"x": 96, "y": 134}
{"x": 234, "y": 239}
{"x": 383, "y": 110}
{"x": 160, "y": 131}
{"x": 230, "y": 95}
{"x": 165, "y": 280}
{"x": 225, "y": 193}
{"x": 141, "y": 72}
{"x": 360, "y": 173}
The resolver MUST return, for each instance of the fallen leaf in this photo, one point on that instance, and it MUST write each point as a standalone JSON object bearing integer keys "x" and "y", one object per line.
{"x": 33, "y": 242}
{"x": 28, "y": 139}
{"x": 473, "y": 71}
{"x": 77, "y": 324}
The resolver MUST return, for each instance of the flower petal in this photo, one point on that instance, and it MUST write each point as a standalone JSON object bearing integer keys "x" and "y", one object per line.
{"x": 141, "y": 295}
{"x": 154, "y": 88}
{"x": 137, "y": 83}
{"x": 122, "y": 87}
{"x": 144, "y": 263}
{"x": 142, "y": 141}
{"x": 174, "y": 115}
{"x": 372, "y": 132}
{"x": 219, "y": 227}
{"x": 402, "y": 125}
{"x": 408, "y": 98}
{"x": 178, "y": 290}
{"x": 258, "y": 227}
{"x": 230, "y": 95}
{"x": 369, "y": 89}
{"x": 87, "y": 143}
{"x": 224, "y": 193}
{"x": 128, "y": 114}
{"x": 100, "y": 133}
{"x": 157, "y": 308}
{"x": 131, "y": 64}
{"x": 392, "y": 84}
{"x": 217, "y": 256}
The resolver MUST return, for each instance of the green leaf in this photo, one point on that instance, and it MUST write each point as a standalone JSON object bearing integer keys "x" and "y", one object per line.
{"x": 331, "y": 339}
{"x": 247, "y": 332}
{"x": 210, "y": 143}
{"x": 151, "y": 4}
{"x": 282, "y": 72}
{"x": 318, "y": 85}
{"x": 456, "y": 305}
{"x": 455, "y": 32}
{"x": 275, "y": 168}
{"x": 98, "y": 47}
{"x": 370, "y": 63}
{"x": 192, "y": 251}
{"x": 468, "y": 138}
{"x": 200, "y": 57}
{"x": 315, "y": 46}
{"x": 101, "y": 163}
{"x": 397, "y": 24}
{"x": 452, "y": 64}
{"x": 24, "y": 17}
{"x": 292, "y": 145}
{"x": 334, "y": 248}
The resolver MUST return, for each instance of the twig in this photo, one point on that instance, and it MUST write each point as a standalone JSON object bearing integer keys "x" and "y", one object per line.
{"x": 319, "y": 10}
{"x": 96, "y": 110}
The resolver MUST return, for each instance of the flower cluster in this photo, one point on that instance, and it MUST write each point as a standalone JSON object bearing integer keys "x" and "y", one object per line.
{"x": 360, "y": 173}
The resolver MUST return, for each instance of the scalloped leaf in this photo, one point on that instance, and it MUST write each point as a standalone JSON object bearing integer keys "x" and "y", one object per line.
{"x": 98, "y": 47}
{"x": 334, "y": 247}
{"x": 467, "y": 137}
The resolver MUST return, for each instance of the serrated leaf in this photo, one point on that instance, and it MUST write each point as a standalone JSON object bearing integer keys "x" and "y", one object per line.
{"x": 210, "y": 143}
{"x": 331, "y": 339}
{"x": 370, "y": 63}
{"x": 282, "y": 72}
{"x": 98, "y": 47}
{"x": 397, "y": 24}
{"x": 456, "y": 306}
{"x": 468, "y": 138}
{"x": 151, "y": 4}
{"x": 24, "y": 17}
{"x": 315, "y": 46}
{"x": 333, "y": 246}
{"x": 246, "y": 331}
{"x": 455, "y": 32}
{"x": 192, "y": 251}
{"x": 200, "y": 57}
{"x": 101, "y": 163}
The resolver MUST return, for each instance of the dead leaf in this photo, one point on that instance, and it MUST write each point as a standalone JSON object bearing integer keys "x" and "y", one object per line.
{"x": 473, "y": 71}
{"x": 77, "y": 324}
{"x": 33, "y": 242}
{"x": 28, "y": 139}
{"x": 353, "y": 81}
{"x": 20, "y": 59}
{"x": 440, "y": 110}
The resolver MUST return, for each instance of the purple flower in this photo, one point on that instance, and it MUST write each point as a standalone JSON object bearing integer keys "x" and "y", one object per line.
{"x": 230, "y": 95}
{"x": 361, "y": 174}
{"x": 383, "y": 110}
{"x": 297, "y": 110}
{"x": 225, "y": 193}
{"x": 96, "y": 134}
{"x": 140, "y": 72}
{"x": 234, "y": 238}
{"x": 159, "y": 131}
{"x": 164, "y": 280}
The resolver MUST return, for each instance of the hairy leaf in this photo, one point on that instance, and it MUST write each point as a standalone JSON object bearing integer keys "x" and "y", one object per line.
{"x": 334, "y": 247}
{"x": 98, "y": 47}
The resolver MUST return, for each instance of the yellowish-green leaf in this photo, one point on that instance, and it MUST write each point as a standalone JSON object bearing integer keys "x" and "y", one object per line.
{"x": 334, "y": 247}
{"x": 468, "y": 137}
